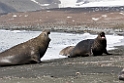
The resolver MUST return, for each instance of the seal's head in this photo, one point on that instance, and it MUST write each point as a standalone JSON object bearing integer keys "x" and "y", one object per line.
{"x": 47, "y": 32}
{"x": 101, "y": 36}
{"x": 45, "y": 35}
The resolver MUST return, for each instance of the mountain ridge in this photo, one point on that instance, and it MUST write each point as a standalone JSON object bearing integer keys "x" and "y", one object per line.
{"x": 8, "y": 6}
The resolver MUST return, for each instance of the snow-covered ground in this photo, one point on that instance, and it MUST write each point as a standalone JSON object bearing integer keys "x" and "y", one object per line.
{"x": 58, "y": 41}
{"x": 91, "y": 3}
{"x": 84, "y": 3}
{"x": 40, "y": 3}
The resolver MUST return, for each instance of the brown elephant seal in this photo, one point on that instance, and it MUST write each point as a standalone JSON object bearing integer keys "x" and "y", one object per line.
{"x": 27, "y": 52}
{"x": 121, "y": 75}
{"x": 90, "y": 47}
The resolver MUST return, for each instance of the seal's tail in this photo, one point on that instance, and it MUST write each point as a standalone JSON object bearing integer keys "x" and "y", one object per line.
{"x": 66, "y": 51}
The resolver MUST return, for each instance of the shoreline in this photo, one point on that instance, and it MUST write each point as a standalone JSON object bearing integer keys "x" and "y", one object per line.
{"x": 74, "y": 30}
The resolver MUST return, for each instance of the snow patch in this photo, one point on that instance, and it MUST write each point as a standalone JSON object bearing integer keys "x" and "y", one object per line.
{"x": 40, "y": 3}
{"x": 14, "y": 16}
{"x": 91, "y": 3}
{"x": 95, "y": 19}
{"x": 69, "y": 17}
{"x": 26, "y": 15}
{"x": 67, "y": 3}
{"x": 104, "y": 16}
{"x": 122, "y": 13}
{"x": 45, "y": 4}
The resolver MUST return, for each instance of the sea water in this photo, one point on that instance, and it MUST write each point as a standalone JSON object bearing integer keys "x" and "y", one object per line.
{"x": 58, "y": 41}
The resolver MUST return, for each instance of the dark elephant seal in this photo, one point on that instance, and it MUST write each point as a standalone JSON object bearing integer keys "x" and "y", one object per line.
{"x": 90, "y": 47}
{"x": 27, "y": 52}
{"x": 121, "y": 75}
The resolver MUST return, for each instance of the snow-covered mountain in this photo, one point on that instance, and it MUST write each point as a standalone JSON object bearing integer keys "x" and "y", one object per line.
{"x": 91, "y": 3}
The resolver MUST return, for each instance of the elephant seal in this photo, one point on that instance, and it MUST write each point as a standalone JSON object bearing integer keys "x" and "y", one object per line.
{"x": 27, "y": 52}
{"x": 121, "y": 75}
{"x": 90, "y": 47}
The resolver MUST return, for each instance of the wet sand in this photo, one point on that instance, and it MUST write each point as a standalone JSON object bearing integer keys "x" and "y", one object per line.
{"x": 98, "y": 69}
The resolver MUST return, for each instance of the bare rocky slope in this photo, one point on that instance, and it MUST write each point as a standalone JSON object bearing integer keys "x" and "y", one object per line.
{"x": 40, "y": 14}
{"x": 8, "y": 6}
{"x": 67, "y": 19}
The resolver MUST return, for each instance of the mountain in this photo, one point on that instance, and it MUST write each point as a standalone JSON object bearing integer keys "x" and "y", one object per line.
{"x": 8, "y": 6}
{"x": 61, "y": 14}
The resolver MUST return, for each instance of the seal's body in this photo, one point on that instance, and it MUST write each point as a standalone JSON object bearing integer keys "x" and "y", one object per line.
{"x": 83, "y": 48}
{"x": 90, "y": 47}
{"x": 30, "y": 51}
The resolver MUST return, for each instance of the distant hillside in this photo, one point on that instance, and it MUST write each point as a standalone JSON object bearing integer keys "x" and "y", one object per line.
{"x": 66, "y": 19}
{"x": 7, "y": 6}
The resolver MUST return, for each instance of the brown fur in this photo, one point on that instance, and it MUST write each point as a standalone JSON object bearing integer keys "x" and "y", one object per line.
{"x": 99, "y": 45}
{"x": 89, "y": 47}
{"x": 30, "y": 51}
{"x": 66, "y": 51}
